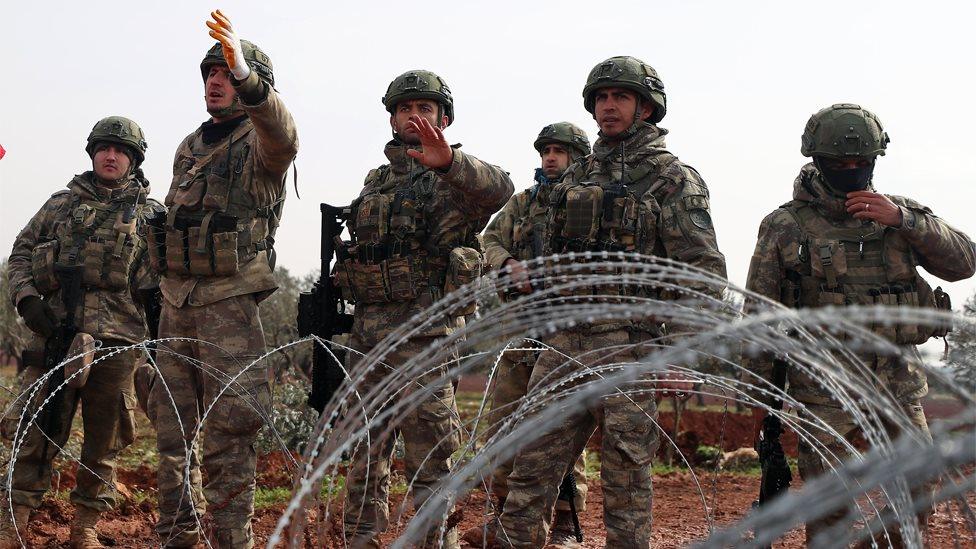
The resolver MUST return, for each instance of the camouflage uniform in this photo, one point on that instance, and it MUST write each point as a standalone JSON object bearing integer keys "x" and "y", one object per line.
{"x": 409, "y": 227}
{"x": 664, "y": 211}
{"x": 225, "y": 201}
{"x": 84, "y": 224}
{"x": 811, "y": 252}
{"x": 510, "y": 236}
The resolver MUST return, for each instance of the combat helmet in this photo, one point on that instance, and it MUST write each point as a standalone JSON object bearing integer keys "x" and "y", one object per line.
{"x": 844, "y": 130}
{"x": 419, "y": 84}
{"x": 564, "y": 133}
{"x": 253, "y": 56}
{"x": 629, "y": 73}
{"x": 122, "y": 131}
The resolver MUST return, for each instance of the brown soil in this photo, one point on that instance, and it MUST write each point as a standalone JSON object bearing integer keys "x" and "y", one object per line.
{"x": 679, "y": 516}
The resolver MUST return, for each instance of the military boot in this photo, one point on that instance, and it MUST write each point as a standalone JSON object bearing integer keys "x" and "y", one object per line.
{"x": 83, "y": 534}
{"x": 563, "y": 534}
{"x": 10, "y": 526}
{"x": 484, "y": 535}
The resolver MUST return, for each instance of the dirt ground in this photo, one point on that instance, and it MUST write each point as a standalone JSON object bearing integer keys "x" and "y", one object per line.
{"x": 679, "y": 512}
{"x": 679, "y": 516}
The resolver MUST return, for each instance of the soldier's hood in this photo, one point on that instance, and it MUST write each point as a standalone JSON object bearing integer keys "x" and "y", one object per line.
{"x": 86, "y": 185}
{"x": 810, "y": 187}
{"x": 400, "y": 162}
{"x": 648, "y": 140}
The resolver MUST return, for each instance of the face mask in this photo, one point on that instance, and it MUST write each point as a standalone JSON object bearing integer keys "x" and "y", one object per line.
{"x": 846, "y": 181}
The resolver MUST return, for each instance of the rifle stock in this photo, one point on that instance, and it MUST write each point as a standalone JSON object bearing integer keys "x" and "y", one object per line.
{"x": 321, "y": 312}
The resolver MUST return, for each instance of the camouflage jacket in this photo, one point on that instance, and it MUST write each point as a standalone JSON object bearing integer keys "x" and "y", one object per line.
{"x": 457, "y": 206}
{"x": 105, "y": 311}
{"x": 255, "y": 163}
{"x": 510, "y": 233}
{"x": 673, "y": 219}
{"x": 783, "y": 255}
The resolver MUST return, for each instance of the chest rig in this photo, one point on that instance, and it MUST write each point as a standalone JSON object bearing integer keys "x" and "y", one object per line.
{"x": 214, "y": 226}
{"x": 102, "y": 237}
{"x": 862, "y": 265}
{"x": 392, "y": 256}
{"x": 603, "y": 213}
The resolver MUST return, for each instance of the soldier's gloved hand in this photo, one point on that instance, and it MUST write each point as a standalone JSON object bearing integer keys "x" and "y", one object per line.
{"x": 436, "y": 153}
{"x": 38, "y": 315}
{"x": 223, "y": 32}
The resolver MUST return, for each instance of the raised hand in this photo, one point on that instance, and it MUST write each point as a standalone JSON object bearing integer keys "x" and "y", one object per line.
{"x": 223, "y": 32}
{"x": 874, "y": 207}
{"x": 435, "y": 153}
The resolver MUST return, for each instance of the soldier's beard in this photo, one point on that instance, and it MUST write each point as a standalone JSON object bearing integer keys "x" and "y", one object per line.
{"x": 228, "y": 111}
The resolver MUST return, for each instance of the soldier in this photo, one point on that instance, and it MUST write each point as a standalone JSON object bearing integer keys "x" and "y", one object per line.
{"x": 640, "y": 198}
{"x": 77, "y": 265}
{"x": 514, "y": 236}
{"x": 417, "y": 218}
{"x": 225, "y": 204}
{"x": 840, "y": 242}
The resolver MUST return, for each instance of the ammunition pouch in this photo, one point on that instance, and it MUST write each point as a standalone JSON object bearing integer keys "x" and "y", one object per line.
{"x": 584, "y": 208}
{"x": 43, "y": 258}
{"x": 207, "y": 243}
{"x": 108, "y": 258}
{"x": 372, "y": 220}
{"x": 394, "y": 279}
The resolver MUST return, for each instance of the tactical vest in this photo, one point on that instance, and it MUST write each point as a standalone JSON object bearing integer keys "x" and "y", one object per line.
{"x": 214, "y": 226}
{"x": 391, "y": 257}
{"x": 100, "y": 236}
{"x": 597, "y": 215}
{"x": 862, "y": 265}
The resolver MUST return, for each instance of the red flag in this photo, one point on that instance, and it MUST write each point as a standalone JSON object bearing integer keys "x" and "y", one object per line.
{"x": 2, "y": 152}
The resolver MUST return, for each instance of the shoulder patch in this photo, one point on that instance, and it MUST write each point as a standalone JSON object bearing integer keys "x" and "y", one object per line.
{"x": 701, "y": 218}
{"x": 61, "y": 193}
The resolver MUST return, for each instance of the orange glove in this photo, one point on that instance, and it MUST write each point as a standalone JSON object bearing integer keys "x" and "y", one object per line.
{"x": 223, "y": 32}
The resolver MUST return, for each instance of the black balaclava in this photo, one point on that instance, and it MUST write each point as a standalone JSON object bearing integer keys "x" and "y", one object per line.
{"x": 845, "y": 181}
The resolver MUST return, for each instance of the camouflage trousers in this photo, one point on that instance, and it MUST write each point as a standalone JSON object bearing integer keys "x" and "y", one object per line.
{"x": 430, "y": 436}
{"x": 812, "y": 464}
{"x": 630, "y": 439}
{"x": 107, "y": 407}
{"x": 510, "y": 385}
{"x": 222, "y": 340}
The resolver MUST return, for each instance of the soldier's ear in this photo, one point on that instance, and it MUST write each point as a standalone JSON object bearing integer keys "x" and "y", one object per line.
{"x": 393, "y": 123}
{"x": 445, "y": 121}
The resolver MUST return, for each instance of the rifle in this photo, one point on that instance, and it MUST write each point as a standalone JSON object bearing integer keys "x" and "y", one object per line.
{"x": 56, "y": 350}
{"x": 321, "y": 312}
{"x": 152, "y": 307}
{"x": 538, "y": 250}
{"x": 568, "y": 492}
{"x": 776, "y": 474}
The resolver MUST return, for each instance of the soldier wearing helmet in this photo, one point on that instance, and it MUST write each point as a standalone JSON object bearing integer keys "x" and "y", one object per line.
{"x": 629, "y": 195}
{"x": 77, "y": 267}
{"x": 216, "y": 263}
{"x": 437, "y": 199}
{"x": 514, "y": 236}
{"x": 840, "y": 242}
